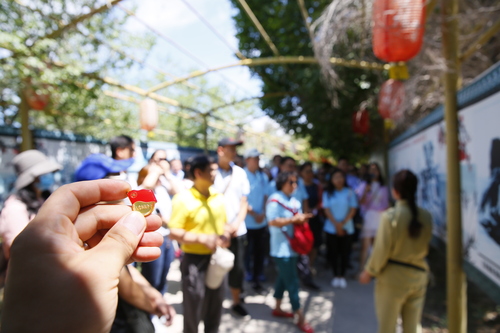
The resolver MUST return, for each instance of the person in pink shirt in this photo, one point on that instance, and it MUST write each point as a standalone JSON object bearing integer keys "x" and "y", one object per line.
{"x": 374, "y": 199}
{"x": 22, "y": 205}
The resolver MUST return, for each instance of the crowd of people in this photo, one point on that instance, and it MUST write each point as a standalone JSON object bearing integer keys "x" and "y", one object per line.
{"x": 204, "y": 204}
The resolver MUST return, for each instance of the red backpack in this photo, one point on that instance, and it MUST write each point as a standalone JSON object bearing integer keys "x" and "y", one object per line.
{"x": 303, "y": 239}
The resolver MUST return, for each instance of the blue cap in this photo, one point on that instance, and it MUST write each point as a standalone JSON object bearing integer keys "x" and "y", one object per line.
{"x": 98, "y": 166}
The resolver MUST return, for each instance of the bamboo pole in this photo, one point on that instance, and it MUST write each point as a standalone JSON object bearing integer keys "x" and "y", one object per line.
{"x": 455, "y": 276}
{"x": 27, "y": 137}
{"x": 259, "y": 27}
{"x": 275, "y": 61}
{"x": 483, "y": 39}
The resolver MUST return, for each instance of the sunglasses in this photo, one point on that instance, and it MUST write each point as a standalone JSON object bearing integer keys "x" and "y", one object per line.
{"x": 291, "y": 182}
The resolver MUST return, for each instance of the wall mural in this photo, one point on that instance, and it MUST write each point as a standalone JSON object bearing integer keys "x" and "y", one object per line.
{"x": 479, "y": 153}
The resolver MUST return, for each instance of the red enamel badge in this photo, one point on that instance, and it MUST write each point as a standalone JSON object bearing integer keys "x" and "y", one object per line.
{"x": 143, "y": 201}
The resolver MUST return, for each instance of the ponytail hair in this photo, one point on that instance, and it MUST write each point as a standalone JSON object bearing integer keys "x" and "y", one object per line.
{"x": 405, "y": 183}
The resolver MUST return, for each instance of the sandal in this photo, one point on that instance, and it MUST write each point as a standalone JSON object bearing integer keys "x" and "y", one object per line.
{"x": 283, "y": 314}
{"x": 305, "y": 327}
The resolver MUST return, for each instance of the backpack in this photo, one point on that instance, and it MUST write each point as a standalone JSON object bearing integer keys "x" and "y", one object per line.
{"x": 302, "y": 241}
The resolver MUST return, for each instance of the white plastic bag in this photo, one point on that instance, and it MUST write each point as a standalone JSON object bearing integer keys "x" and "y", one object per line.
{"x": 221, "y": 262}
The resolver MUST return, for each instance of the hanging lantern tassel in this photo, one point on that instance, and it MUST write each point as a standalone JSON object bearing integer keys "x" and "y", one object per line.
{"x": 398, "y": 29}
{"x": 399, "y": 71}
{"x": 148, "y": 114}
{"x": 391, "y": 99}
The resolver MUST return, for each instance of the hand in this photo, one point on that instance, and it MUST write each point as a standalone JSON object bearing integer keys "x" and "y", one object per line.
{"x": 365, "y": 277}
{"x": 165, "y": 166}
{"x": 156, "y": 169}
{"x": 233, "y": 229}
{"x": 55, "y": 282}
{"x": 210, "y": 241}
{"x": 259, "y": 218}
{"x": 164, "y": 311}
{"x": 224, "y": 241}
{"x": 340, "y": 229}
{"x": 301, "y": 218}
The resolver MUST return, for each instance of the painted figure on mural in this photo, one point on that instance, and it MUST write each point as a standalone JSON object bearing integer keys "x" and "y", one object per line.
{"x": 489, "y": 207}
{"x": 432, "y": 190}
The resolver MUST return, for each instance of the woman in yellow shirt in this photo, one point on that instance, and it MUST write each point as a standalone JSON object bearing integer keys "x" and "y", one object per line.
{"x": 398, "y": 259}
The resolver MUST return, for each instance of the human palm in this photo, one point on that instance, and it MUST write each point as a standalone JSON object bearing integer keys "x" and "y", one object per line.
{"x": 64, "y": 267}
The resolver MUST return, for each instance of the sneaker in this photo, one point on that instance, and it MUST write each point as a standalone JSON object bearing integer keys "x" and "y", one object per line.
{"x": 282, "y": 314}
{"x": 335, "y": 282}
{"x": 342, "y": 283}
{"x": 239, "y": 310}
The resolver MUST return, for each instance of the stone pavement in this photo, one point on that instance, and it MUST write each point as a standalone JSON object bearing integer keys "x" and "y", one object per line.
{"x": 330, "y": 310}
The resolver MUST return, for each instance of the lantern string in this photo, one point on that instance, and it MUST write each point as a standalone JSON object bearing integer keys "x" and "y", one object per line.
{"x": 212, "y": 124}
{"x": 152, "y": 67}
{"x": 221, "y": 38}
{"x": 176, "y": 45}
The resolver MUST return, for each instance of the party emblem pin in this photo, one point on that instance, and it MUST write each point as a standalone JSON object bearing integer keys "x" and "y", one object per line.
{"x": 143, "y": 201}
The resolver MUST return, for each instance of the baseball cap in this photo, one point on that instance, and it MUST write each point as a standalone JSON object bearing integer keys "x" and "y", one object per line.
{"x": 97, "y": 166}
{"x": 251, "y": 153}
{"x": 229, "y": 142}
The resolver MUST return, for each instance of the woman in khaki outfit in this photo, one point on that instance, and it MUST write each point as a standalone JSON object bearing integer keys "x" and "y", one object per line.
{"x": 398, "y": 259}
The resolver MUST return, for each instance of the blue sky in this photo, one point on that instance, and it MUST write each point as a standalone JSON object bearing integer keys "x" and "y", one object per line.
{"x": 176, "y": 21}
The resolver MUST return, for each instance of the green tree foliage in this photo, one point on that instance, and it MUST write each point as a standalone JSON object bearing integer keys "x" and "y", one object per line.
{"x": 304, "y": 108}
{"x": 43, "y": 52}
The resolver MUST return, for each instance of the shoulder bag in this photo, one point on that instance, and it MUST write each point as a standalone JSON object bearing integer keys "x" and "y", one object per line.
{"x": 303, "y": 239}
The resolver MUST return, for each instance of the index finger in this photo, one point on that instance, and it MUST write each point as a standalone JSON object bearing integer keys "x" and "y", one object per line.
{"x": 70, "y": 198}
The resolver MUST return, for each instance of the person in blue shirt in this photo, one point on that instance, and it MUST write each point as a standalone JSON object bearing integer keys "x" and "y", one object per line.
{"x": 255, "y": 220}
{"x": 282, "y": 211}
{"x": 351, "y": 180}
{"x": 340, "y": 204}
{"x": 288, "y": 164}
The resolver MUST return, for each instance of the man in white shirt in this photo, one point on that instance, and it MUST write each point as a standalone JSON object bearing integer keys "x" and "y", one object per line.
{"x": 232, "y": 181}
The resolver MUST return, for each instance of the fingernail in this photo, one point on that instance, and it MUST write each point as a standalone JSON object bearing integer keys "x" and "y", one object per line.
{"x": 134, "y": 222}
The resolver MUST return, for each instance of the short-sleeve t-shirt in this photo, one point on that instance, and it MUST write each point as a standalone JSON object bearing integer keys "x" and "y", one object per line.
{"x": 258, "y": 187}
{"x": 196, "y": 213}
{"x": 233, "y": 184}
{"x": 280, "y": 246}
{"x": 340, "y": 203}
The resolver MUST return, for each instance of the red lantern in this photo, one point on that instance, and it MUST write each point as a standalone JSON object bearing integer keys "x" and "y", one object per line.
{"x": 361, "y": 122}
{"x": 391, "y": 99}
{"x": 398, "y": 29}
{"x": 35, "y": 100}
{"x": 148, "y": 114}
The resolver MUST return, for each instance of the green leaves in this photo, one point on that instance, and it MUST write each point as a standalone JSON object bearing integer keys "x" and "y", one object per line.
{"x": 304, "y": 107}
{"x": 66, "y": 66}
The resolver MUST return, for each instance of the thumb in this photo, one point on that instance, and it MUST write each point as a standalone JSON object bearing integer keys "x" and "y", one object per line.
{"x": 120, "y": 242}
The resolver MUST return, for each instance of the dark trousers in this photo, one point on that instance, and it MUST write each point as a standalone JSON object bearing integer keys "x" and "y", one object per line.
{"x": 339, "y": 248}
{"x": 156, "y": 271}
{"x": 255, "y": 252}
{"x": 236, "y": 274}
{"x": 288, "y": 280}
{"x": 199, "y": 301}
